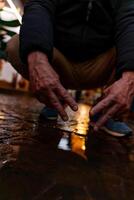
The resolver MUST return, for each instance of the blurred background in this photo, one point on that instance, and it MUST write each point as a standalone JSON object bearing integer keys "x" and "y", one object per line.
{"x": 10, "y": 19}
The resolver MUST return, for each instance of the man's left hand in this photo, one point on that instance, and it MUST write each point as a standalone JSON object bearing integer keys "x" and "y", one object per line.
{"x": 117, "y": 99}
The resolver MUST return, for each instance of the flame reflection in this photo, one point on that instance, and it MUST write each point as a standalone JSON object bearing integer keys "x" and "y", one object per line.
{"x": 79, "y": 122}
{"x": 76, "y": 130}
{"x": 2, "y": 115}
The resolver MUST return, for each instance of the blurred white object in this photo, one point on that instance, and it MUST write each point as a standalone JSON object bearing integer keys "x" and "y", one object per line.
{"x": 7, "y": 72}
{"x": 8, "y": 15}
{"x": 13, "y": 7}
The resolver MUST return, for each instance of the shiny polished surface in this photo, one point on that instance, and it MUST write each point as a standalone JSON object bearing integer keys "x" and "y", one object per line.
{"x": 42, "y": 160}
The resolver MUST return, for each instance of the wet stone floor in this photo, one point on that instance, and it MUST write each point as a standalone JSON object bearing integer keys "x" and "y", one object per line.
{"x": 60, "y": 161}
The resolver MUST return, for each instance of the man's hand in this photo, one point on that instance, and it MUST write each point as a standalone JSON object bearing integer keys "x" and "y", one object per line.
{"x": 46, "y": 86}
{"x": 117, "y": 99}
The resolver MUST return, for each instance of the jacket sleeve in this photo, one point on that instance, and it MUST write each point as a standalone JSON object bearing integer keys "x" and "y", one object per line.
{"x": 37, "y": 28}
{"x": 124, "y": 36}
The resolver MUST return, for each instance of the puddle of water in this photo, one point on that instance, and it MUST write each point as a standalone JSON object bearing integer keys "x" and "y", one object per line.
{"x": 37, "y": 154}
{"x": 74, "y": 132}
{"x": 78, "y": 123}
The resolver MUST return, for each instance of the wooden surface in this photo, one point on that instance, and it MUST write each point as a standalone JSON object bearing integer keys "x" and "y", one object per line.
{"x": 60, "y": 161}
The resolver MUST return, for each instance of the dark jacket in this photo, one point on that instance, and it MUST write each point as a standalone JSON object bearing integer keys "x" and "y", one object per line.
{"x": 80, "y": 29}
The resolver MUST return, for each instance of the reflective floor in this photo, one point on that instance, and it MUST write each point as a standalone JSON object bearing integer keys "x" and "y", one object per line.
{"x": 40, "y": 160}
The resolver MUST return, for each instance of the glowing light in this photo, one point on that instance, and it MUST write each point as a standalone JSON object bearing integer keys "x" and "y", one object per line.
{"x": 84, "y": 147}
{"x": 82, "y": 118}
{"x": 78, "y": 145}
{"x": 2, "y": 116}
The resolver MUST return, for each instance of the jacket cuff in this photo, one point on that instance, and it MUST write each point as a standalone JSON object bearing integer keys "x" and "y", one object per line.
{"x": 123, "y": 67}
{"x": 24, "y": 53}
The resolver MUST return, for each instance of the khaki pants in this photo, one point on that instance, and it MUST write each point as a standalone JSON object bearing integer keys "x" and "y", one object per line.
{"x": 92, "y": 73}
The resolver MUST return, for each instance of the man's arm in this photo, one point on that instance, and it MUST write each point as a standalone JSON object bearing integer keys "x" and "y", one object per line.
{"x": 36, "y": 46}
{"x": 37, "y": 28}
{"x": 119, "y": 96}
{"x": 45, "y": 84}
{"x": 117, "y": 99}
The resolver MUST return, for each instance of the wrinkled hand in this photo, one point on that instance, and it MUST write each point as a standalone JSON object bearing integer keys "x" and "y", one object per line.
{"x": 117, "y": 99}
{"x": 46, "y": 86}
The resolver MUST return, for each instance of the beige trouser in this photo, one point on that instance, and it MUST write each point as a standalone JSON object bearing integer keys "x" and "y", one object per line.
{"x": 74, "y": 75}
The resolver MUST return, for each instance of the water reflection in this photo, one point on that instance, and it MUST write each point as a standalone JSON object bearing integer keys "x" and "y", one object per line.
{"x": 72, "y": 138}
{"x": 64, "y": 143}
{"x": 8, "y": 153}
{"x": 79, "y": 122}
{"x": 78, "y": 145}
{"x": 75, "y": 131}
{"x": 2, "y": 115}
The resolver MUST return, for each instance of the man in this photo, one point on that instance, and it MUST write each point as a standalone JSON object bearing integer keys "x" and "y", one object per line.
{"x": 80, "y": 45}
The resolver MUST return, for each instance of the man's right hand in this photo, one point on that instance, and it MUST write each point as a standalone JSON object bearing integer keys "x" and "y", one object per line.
{"x": 46, "y": 86}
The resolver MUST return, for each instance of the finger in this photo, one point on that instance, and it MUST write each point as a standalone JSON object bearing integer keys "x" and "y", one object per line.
{"x": 106, "y": 116}
{"x": 56, "y": 104}
{"x": 103, "y": 104}
{"x": 66, "y": 97}
{"x": 106, "y": 91}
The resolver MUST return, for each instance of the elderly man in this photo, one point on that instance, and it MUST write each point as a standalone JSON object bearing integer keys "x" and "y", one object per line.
{"x": 80, "y": 45}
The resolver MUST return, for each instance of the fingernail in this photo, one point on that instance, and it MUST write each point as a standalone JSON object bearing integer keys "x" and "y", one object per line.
{"x": 75, "y": 108}
{"x": 65, "y": 118}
